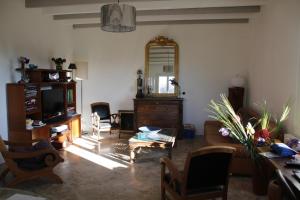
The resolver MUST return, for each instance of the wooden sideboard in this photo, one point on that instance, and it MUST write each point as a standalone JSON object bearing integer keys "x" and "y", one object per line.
{"x": 161, "y": 112}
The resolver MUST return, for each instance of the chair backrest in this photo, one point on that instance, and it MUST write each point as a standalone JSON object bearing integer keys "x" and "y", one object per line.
{"x": 287, "y": 190}
{"x": 207, "y": 167}
{"x": 2, "y": 145}
{"x": 102, "y": 109}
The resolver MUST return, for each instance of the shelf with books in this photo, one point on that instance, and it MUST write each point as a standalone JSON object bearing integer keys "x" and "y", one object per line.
{"x": 32, "y": 96}
{"x": 29, "y": 101}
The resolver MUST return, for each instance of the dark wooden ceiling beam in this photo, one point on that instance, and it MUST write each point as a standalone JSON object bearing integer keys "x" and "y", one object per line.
{"x": 48, "y": 3}
{"x": 173, "y": 22}
{"x": 182, "y": 11}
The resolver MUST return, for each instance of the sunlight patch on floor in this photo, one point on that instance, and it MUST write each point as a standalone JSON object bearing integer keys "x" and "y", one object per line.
{"x": 93, "y": 138}
{"x": 95, "y": 158}
{"x": 85, "y": 143}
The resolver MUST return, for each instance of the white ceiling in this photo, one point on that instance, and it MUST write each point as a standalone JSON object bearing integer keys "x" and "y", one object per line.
{"x": 85, "y": 13}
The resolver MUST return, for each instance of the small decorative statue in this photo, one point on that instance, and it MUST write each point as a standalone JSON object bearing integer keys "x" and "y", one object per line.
{"x": 23, "y": 61}
{"x": 176, "y": 84}
{"x": 139, "y": 82}
{"x": 58, "y": 62}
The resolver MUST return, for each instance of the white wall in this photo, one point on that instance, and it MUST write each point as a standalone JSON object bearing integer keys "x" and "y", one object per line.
{"x": 26, "y": 32}
{"x": 267, "y": 50}
{"x": 274, "y": 72}
{"x": 209, "y": 56}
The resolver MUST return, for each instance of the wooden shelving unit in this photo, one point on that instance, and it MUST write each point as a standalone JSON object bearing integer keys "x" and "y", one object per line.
{"x": 24, "y": 101}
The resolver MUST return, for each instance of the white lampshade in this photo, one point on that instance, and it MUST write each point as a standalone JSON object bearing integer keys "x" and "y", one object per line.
{"x": 237, "y": 81}
{"x": 82, "y": 70}
{"x": 118, "y": 18}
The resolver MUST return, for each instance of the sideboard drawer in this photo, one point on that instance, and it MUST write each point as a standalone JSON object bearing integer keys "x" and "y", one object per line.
{"x": 164, "y": 113}
{"x": 158, "y": 108}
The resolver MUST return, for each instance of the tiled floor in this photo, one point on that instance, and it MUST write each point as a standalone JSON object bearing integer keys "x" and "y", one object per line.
{"x": 100, "y": 170}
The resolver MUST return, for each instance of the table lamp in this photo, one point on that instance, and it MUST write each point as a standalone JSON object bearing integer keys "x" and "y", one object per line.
{"x": 72, "y": 66}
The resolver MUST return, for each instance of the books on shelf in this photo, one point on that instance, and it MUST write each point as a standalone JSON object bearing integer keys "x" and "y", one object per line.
{"x": 31, "y": 92}
{"x": 70, "y": 96}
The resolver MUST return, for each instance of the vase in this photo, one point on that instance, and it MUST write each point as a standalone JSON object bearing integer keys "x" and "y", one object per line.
{"x": 58, "y": 67}
{"x": 259, "y": 179}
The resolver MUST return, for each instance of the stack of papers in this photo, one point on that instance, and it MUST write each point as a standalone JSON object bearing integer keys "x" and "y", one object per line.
{"x": 160, "y": 137}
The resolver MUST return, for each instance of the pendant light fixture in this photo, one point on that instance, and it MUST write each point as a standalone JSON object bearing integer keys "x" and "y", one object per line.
{"x": 118, "y": 17}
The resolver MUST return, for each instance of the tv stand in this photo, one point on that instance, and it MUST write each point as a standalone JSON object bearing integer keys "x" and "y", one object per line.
{"x": 56, "y": 119}
{"x": 24, "y": 101}
{"x": 44, "y": 132}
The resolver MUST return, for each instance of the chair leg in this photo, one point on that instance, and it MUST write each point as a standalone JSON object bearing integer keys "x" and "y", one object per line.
{"x": 55, "y": 178}
{"x": 4, "y": 173}
{"x": 225, "y": 195}
{"x": 98, "y": 134}
{"x": 16, "y": 181}
{"x": 163, "y": 193}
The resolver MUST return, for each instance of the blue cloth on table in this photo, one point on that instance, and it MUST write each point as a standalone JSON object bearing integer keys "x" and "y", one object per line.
{"x": 283, "y": 150}
{"x": 149, "y": 128}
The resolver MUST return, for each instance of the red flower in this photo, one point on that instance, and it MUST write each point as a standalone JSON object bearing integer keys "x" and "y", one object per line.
{"x": 263, "y": 133}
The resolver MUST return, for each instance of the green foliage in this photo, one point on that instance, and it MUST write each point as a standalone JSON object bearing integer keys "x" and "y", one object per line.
{"x": 223, "y": 112}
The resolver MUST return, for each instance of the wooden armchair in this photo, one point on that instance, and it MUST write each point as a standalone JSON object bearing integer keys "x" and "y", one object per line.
{"x": 205, "y": 175}
{"x": 27, "y": 162}
{"x": 280, "y": 189}
{"x": 102, "y": 119}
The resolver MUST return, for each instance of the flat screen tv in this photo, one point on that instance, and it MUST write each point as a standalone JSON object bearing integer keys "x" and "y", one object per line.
{"x": 52, "y": 104}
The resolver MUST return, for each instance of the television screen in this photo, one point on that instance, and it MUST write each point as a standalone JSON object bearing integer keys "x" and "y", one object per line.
{"x": 52, "y": 103}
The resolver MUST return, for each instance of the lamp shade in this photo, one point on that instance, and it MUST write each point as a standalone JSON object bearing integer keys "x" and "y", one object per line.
{"x": 82, "y": 70}
{"x": 238, "y": 81}
{"x": 118, "y": 18}
{"x": 72, "y": 66}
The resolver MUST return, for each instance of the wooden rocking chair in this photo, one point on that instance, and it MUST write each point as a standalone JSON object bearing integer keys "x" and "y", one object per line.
{"x": 30, "y": 162}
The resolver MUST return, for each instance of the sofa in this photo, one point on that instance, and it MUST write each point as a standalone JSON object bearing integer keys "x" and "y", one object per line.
{"x": 241, "y": 162}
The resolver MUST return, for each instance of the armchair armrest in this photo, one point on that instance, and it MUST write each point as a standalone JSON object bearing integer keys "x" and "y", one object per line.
{"x": 174, "y": 172}
{"x": 49, "y": 156}
{"x": 23, "y": 155}
{"x": 9, "y": 143}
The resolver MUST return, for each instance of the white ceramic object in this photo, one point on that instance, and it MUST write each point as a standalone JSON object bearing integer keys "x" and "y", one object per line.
{"x": 237, "y": 81}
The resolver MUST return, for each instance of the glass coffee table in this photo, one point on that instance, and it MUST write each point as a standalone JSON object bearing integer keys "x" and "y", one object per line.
{"x": 164, "y": 139}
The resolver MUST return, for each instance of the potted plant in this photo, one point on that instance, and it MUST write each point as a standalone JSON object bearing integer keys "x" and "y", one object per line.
{"x": 58, "y": 62}
{"x": 252, "y": 135}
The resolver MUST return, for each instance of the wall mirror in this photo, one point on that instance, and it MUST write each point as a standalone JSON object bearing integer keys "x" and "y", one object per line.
{"x": 161, "y": 66}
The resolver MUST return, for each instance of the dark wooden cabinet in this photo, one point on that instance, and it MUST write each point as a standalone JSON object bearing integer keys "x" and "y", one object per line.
{"x": 236, "y": 97}
{"x": 24, "y": 101}
{"x": 160, "y": 112}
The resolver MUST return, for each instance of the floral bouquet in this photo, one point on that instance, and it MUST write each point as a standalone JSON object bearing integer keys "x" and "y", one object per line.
{"x": 23, "y": 60}
{"x": 251, "y": 135}
{"x": 58, "y": 62}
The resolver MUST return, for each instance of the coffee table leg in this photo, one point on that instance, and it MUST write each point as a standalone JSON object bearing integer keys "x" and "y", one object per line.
{"x": 132, "y": 155}
{"x": 170, "y": 153}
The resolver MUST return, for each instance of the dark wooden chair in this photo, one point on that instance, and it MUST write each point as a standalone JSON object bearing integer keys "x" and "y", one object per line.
{"x": 27, "y": 162}
{"x": 205, "y": 175}
{"x": 102, "y": 119}
{"x": 287, "y": 191}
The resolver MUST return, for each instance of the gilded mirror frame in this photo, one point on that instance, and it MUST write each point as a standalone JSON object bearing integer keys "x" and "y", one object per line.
{"x": 156, "y": 42}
